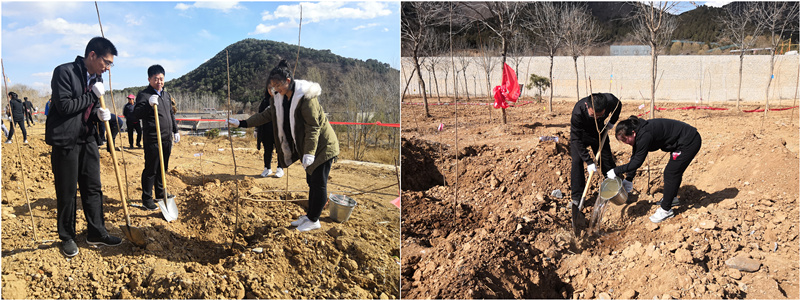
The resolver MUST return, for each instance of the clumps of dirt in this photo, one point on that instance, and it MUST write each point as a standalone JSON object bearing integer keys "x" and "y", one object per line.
{"x": 499, "y": 240}
{"x": 504, "y": 233}
{"x": 192, "y": 257}
{"x": 419, "y": 168}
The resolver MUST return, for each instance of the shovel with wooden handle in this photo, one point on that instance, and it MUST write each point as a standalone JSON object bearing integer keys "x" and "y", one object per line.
{"x": 168, "y": 207}
{"x": 133, "y": 234}
{"x": 578, "y": 213}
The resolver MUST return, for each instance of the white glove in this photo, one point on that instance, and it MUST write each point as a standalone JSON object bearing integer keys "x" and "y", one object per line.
{"x": 308, "y": 159}
{"x": 591, "y": 168}
{"x": 627, "y": 185}
{"x": 610, "y": 174}
{"x": 103, "y": 114}
{"x": 99, "y": 89}
{"x": 233, "y": 122}
{"x": 177, "y": 137}
{"x": 153, "y": 100}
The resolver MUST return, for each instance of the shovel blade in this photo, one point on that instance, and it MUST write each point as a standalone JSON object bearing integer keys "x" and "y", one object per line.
{"x": 169, "y": 209}
{"x": 135, "y": 235}
{"x": 578, "y": 218}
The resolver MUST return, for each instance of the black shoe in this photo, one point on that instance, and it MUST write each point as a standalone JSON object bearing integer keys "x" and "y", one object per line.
{"x": 108, "y": 240}
{"x": 69, "y": 248}
{"x": 139, "y": 146}
{"x": 149, "y": 204}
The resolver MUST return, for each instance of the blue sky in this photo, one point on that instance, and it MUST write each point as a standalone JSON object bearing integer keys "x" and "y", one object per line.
{"x": 38, "y": 36}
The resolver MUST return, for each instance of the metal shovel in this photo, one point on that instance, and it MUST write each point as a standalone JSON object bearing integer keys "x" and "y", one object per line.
{"x": 168, "y": 207}
{"x": 133, "y": 234}
{"x": 576, "y": 214}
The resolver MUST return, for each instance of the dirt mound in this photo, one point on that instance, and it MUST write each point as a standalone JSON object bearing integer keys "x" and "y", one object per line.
{"x": 191, "y": 257}
{"x": 505, "y": 233}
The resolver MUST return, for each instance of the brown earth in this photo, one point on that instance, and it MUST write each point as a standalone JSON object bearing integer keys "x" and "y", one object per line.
{"x": 506, "y": 236}
{"x": 191, "y": 257}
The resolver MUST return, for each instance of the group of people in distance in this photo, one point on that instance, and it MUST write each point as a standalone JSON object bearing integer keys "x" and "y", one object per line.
{"x": 19, "y": 113}
{"x": 299, "y": 126}
{"x": 588, "y": 123}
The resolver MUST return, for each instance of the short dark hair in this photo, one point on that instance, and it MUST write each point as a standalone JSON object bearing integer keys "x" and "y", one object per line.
{"x": 281, "y": 72}
{"x": 101, "y": 46}
{"x": 13, "y": 95}
{"x": 155, "y": 70}
{"x": 598, "y": 101}
{"x": 627, "y": 126}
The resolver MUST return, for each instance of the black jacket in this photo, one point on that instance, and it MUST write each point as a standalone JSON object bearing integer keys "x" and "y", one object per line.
{"x": 28, "y": 106}
{"x": 265, "y": 130}
{"x": 583, "y": 130}
{"x": 65, "y": 125}
{"x": 166, "y": 120}
{"x": 657, "y": 134}
{"x": 130, "y": 118}
{"x": 17, "y": 110}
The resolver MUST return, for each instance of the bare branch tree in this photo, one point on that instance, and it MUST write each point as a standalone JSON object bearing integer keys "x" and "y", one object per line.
{"x": 581, "y": 33}
{"x": 654, "y": 23}
{"x": 544, "y": 21}
{"x": 501, "y": 18}
{"x": 415, "y": 21}
{"x": 521, "y": 46}
{"x": 743, "y": 29}
{"x": 777, "y": 18}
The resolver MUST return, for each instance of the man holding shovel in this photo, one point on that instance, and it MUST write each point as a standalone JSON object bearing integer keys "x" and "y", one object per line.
{"x": 588, "y": 117}
{"x": 155, "y": 94}
{"x": 71, "y": 130}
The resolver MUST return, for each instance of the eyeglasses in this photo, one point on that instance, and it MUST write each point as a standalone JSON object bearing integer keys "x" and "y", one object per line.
{"x": 108, "y": 63}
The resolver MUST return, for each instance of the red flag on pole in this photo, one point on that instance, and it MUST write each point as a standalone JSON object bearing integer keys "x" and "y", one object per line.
{"x": 508, "y": 90}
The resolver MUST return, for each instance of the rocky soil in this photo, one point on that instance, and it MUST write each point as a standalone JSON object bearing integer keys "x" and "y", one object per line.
{"x": 497, "y": 231}
{"x": 198, "y": 256}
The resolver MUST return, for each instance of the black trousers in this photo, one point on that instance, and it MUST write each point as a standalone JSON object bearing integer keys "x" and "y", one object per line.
{"x": 577, "y": 177}
{"x": 135, "y": 127}
{"x": 151, "y": 175}
{"x": 21, "y": 124}
{"x": 268, "y": 140}
{"x": 673, "y": 172}
{"x": 29, "y": 118}
{"x": 318, "y": 190}
{"x": 73, "y": 168}
{"x": 114, "y": 132}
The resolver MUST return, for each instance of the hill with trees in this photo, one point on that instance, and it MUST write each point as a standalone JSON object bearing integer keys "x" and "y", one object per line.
{"x": 250, "y": 62}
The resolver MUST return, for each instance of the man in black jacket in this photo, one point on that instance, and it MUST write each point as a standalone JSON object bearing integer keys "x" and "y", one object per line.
{"x": 71, "y": 130}
{"x": 132, "y": 122}
{"x": 143, "y": 109}
{"x": 17, "y": 110}
{"x": 28, "y": 111}
{"x": 588, "y": 116}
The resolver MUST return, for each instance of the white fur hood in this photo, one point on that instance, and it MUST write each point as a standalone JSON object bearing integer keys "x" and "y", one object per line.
{"x": 307, "y": 88}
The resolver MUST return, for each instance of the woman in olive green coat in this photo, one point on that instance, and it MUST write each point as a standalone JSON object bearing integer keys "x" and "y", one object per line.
{"x": 302, "y": 132}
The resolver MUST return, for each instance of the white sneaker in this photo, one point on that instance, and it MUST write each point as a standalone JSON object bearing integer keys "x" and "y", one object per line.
{"x": 661, "y": 215}
{"x": 266, "y": 172}
{"x": 279, "y": 173}
{"x": 300, "y": 221}
{"x": 9, "y": 141}
{"x": 26, "y": 141}
{"x": 308, "y": 226}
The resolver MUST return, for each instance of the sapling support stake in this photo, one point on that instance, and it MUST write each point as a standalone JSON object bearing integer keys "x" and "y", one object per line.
{"x": 119, "y": 126}
{"x": 19, "y": 156}
{"x": 233, "y": 153}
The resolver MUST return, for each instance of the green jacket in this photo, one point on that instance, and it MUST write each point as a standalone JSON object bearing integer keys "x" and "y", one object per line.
{"x": 311, "y": 131}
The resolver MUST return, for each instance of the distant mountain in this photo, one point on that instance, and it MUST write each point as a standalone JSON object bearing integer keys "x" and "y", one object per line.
{"x": 251, "y": 60}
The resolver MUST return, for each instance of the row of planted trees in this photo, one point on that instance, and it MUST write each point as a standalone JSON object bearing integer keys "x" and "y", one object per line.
{"x": 563, "y": 28}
